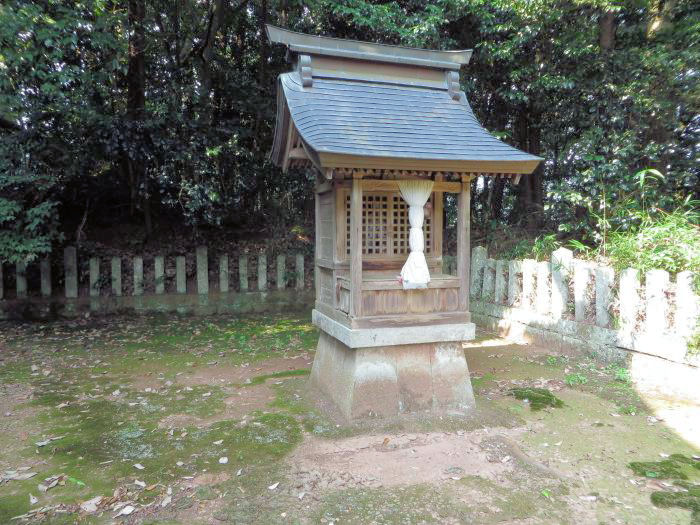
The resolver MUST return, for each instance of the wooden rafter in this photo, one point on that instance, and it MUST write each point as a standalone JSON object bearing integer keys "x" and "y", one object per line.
{"x": 386, "y": 178}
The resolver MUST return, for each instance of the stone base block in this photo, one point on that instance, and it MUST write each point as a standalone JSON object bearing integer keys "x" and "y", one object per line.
{"x": 390, "y": 380}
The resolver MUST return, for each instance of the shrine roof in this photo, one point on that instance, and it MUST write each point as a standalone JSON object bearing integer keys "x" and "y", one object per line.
{"x": 350, "y": 112}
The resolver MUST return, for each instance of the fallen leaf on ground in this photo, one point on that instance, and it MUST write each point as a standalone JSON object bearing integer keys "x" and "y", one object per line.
{"x": 91, "y": 504}
{"x": 126, "y": 511}
{"x": 51, "y": 482}
{"x": 48, "y": 440}
{"x": 10, "y": 475}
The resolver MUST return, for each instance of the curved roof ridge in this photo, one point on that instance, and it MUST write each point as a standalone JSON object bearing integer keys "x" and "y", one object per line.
{"x": 401, "y": 122}
{"x": 339, "y": 47}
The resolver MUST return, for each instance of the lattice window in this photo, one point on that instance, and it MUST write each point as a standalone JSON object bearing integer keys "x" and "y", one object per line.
{"x": 384, "y": 225}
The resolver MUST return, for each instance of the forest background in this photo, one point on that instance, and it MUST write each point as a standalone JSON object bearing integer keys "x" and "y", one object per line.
{"x": 132, "y": 126}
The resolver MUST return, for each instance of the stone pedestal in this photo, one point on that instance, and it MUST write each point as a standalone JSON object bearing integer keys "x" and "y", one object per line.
{"x": 389, "y": 380}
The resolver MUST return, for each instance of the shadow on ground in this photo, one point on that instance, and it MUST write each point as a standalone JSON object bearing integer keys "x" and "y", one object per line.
{"x": 209, "y": 420}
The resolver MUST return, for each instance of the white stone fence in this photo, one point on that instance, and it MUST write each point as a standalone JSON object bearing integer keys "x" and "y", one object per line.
{"x": 569, "y": 302}
{"x": 182, "y": 283}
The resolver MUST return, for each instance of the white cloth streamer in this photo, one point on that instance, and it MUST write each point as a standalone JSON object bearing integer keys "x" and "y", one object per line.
{"x": 416, "y": 193}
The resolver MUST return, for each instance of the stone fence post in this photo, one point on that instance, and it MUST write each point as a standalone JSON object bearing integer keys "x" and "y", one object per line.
{"x": 477, "y": 276}
{"x": 562, "y": 260}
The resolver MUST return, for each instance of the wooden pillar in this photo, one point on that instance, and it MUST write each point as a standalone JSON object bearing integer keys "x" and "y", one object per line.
{"x": 317, "y": 245}
{"x": 438, "y": 211}
{"x": 356, "y": 246}
{"x": 463, "y": 242}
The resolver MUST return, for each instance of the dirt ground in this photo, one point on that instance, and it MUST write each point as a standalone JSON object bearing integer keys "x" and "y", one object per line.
{"x": 159, "y": 420}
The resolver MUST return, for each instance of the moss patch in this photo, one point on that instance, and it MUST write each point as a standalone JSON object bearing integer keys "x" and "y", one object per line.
{"x": 680, "y": 469}
{"x": 684, "y": 500}
{"x": 480, "y": 383}
{"x": 538, "y": 398}
{"x": 542, "y": 498}
{"x": 677, "y": 466}
{"x": 414, "y": 504}
{"x": 85, "y": 391}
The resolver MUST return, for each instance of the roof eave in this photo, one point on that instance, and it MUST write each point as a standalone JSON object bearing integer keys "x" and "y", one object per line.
{"x": 321, "y": 45}
{"x": 341, "y": 160}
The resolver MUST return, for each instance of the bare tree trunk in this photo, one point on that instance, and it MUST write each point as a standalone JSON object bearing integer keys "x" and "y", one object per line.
{"x": 496, "y": 198}
{"x": 263, "y": 43}
{"x": 659, "y": 132}
{"x": 204, "y": 61}
{"x": 136, "y": 102}
{"x": 263, "y": 62}
{"x": 282, "y": 13}
{"x": 537, "y": 177}
{"x": 500, "y": 120}
{"x": 136, "y": 77}
{"x": 530, "y": 196}
{"x": 607, "y": 30}
{"x": 661, "y": 11}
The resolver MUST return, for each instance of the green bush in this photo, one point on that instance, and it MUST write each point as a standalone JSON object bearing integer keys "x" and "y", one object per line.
{"x": 539, "y": 249}
{"x": 575, "y": 379}
{"x": 664, "y": 241}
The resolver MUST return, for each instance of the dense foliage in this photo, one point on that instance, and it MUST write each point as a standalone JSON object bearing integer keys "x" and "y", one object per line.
{"x": 162, "y": 112}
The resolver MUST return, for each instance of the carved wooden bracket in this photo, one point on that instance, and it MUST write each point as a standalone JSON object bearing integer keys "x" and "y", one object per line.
{"x": 305, "y": 71}
{"x": 452, "y": 79}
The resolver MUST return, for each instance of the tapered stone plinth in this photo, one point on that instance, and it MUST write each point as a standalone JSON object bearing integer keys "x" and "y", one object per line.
{"x": 385, "y": 381}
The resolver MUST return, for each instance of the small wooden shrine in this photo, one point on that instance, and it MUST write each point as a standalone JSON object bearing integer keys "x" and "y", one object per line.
{"x": 388, "y": 133}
